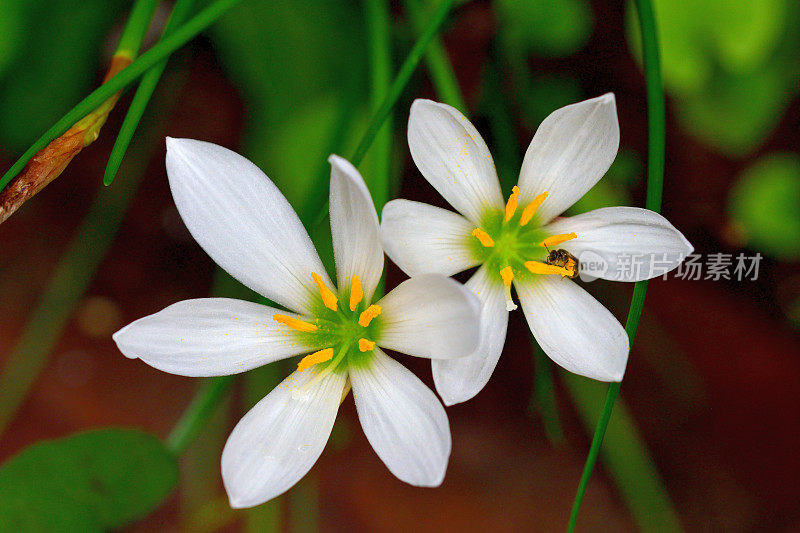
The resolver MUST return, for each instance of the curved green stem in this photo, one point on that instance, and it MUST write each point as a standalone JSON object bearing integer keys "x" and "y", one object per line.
{"x": 145, "y": 62}
{"x": 142, "y": 97}
{"x": 655, "y": 184}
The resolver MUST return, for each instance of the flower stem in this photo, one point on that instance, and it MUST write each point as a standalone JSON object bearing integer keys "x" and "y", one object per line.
{"x": 130, "y": 73}
{"x": 143, "y": 94}
{"x": 655, "y": 184}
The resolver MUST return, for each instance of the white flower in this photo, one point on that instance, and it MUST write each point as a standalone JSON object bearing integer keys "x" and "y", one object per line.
{"x": 512, "y": 241}
{"x": 244, "y": 223}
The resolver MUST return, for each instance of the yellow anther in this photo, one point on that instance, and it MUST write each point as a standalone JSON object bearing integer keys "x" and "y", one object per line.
{"x": 294, "y": 323}
{"x": 366, "y": 317}
{"x": 328, "y": 298}
{"x": 558, "y": 239}
{"x": 511, "y": 206}
{"x": 543, "y": 268}
{"x": 508, "y": 275}
{"x": 356, "y": 292}
{"x": 483, "y": 237}
{"x": 530, "y": 209}
{"x": 314, "y": 358}
{"x": 364, "y": 345}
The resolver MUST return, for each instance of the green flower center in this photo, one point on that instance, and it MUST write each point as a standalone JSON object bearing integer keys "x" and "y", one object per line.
{"x": 343, "y": 329}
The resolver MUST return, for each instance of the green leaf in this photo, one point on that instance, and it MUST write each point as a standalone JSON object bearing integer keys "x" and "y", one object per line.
{"x": 546, "y": 27}
{"x": 93, "y": 481}
{"x": 764, "y": 205}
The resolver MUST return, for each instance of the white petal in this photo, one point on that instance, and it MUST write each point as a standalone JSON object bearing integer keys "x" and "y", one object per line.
{"x": 278, "y": 441}
{"x": 430, "y": 316}
{"x": 452, "y": 156}
{"x": 623, "y": 243}
{"x": 570, "y": 152}
{"x": 354, "y": 226}
{"x": 573, "y": 328}
{"x": 242, "y": 221}
{"x": 458, "y": 380}
{"x": 422, "y": 239}
{"x": 209, "y": 337}
{"x": 403, "y": 420}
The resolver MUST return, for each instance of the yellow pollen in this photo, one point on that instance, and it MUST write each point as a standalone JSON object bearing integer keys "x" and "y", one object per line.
{"x": 483, "y": 237}
{"x": 366, "y": 317}
{"x": 356, "y": 292}
{"x": 364, "y": 345}
{"x": 543, "y": 268}
{"x": 328, "y": 298}
{"x": 511, "y": 206}
{"x": 558, "y": 239}
{"x": 314, "y": 358}
{"x": 530, "y": 209}
{"x": 508, "y": 275}
{"x": 294, "y": 323}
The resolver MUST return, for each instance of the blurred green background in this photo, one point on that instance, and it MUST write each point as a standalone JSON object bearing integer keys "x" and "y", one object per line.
{"x": 706, "y": 438}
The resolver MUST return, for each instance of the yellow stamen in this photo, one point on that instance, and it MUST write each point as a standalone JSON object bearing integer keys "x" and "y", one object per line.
{"x": 314, "y": 358}
{"x": 365, "y": 345}
{"x": 542, "y": 268}
{"x": 328, "y": 298}
{"x": 294, "y": 323}
{"x": 366, "y": 317}
{"x": 508, "y": 275}
{"x": 483, "y": 237}
{"x": 511, "y": 206}
{"x": 356, "y": 292}
{"x": 558, "y": 239}
{"x": 530, "y": 209}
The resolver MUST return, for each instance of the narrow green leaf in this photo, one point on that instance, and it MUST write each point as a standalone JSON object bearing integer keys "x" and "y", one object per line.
{"x": 93, "y": 481}
{"x": 142, "y": 97}
{"x": 136, "y": 27}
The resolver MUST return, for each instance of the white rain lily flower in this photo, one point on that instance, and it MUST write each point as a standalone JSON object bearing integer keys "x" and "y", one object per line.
{"x": 527, "y": 247}
{"x": 244, "y": 223}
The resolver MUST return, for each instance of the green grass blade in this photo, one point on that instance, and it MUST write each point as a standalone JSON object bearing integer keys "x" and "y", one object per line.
{"x": 136, "y": 27}
{"x": 400, "y": 81}
{"x": 378, "y": 22}
{"x": 439, "y": 66}
{"x": 130, "y": 73}
{"x": 142, "y": 97}
{"x": 655, "y": 183}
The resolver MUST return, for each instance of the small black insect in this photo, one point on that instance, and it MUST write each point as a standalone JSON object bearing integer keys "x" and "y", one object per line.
{"x": 564, "y": 259}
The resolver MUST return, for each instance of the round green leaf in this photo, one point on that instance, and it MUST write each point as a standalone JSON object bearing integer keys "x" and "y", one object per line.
{"x": 92, "y": 481}
{"x": 765, "y": 205}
